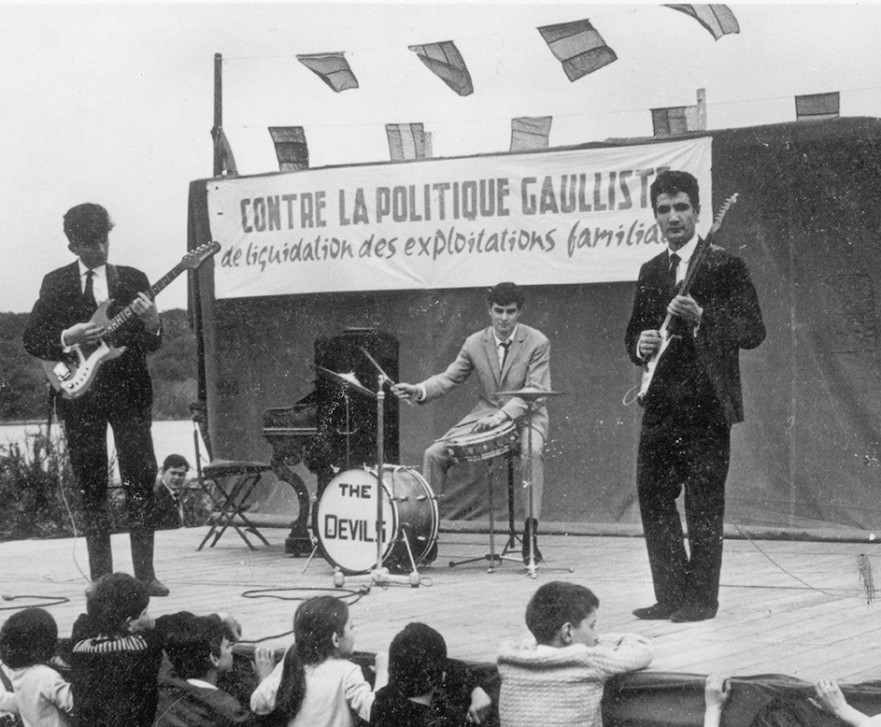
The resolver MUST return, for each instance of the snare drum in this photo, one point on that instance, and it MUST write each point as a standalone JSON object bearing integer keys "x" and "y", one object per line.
{"x": 484, "y": 445}
{"x": 345, "y": 519}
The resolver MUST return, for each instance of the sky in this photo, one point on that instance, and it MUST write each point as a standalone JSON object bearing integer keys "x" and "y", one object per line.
{"x": 114, "y": 103}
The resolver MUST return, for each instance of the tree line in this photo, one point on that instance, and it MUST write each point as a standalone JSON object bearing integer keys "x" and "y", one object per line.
{"x": 24, "y": 391}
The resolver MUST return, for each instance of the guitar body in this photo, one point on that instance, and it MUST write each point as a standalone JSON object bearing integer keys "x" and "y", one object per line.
{"x": 650, "y": 367}
{"x": 73, "y": 375}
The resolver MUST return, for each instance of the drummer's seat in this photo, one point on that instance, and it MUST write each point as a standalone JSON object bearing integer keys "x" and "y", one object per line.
{"x": 230, "y": 485}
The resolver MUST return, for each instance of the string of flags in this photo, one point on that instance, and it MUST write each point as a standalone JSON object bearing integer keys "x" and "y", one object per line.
{"x": 579, "y": 48}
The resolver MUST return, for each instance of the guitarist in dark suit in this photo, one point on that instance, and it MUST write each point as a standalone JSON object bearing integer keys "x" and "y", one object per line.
{"x": 694, "y": 398}
{"x": 121, "y": 393}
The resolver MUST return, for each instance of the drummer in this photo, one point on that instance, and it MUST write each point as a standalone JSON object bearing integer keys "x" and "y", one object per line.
{"x": 507, "y": 356}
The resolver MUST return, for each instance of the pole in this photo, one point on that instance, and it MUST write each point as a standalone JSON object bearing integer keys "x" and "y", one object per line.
{"x": 218, "y": 114}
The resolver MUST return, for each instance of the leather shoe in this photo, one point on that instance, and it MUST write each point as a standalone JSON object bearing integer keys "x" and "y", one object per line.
{"x": 156, "y": 588}
{"x": 693, "y": 612}
{"x": 658, "y": 612}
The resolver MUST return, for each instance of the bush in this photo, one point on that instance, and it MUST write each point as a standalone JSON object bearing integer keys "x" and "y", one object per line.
{"x": 37, "y": 488}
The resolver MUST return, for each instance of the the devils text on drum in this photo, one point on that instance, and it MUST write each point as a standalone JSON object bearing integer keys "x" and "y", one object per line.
{"x": 345, "y": 519}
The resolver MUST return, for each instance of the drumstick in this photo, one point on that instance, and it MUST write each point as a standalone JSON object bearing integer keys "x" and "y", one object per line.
{"x": 383, "y": 373}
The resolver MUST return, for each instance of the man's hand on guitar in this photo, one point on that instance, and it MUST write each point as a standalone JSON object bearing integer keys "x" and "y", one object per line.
{"x": 145, "y": 309}
{"x": 686, "y": 308}
{"x": 79, "y": 333}
{"x": 649, "y": 342}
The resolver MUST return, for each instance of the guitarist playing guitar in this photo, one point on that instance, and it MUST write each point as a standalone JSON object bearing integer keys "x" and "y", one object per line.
{"x": 119, "y": 394}
{"x": 693, "y": 398}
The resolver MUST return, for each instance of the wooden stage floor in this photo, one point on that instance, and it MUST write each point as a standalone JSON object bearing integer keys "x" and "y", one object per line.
{"x": 794, "y": 608}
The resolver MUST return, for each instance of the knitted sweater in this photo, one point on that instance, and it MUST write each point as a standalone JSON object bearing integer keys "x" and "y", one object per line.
{"x": 563, "y": 687}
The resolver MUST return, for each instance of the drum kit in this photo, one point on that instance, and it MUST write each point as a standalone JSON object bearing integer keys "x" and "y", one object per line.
{"x": 349, "y": 520}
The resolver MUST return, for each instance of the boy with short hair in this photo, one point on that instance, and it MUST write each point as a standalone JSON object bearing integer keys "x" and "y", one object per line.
{"x": 557, "y": 680}
{"x": 200, "y": 651}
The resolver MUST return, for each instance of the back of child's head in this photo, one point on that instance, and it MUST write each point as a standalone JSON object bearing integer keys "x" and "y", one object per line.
{"x": 417, "y": 659}
{"x": 557, "y": 603}
{"x": 789, "y": 711}
{"x": 116, "y": 599}
{"x": 28, "y": 637}
{"x": 315, "y": 623}
{"x": 191, "y": 645}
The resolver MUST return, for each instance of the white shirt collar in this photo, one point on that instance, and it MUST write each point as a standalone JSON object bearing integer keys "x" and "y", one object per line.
{"x": 201, "y": 683}
{"x": 686, "y": 251}
{"x": 100, "y": 271}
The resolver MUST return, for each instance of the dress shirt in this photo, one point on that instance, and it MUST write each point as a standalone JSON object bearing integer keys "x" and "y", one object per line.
{"x": 99, "y": 282}
{"x": 685, "y": 252}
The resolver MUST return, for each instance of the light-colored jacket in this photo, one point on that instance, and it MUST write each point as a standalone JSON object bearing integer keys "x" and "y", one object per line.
{"x": 543, "y": 685}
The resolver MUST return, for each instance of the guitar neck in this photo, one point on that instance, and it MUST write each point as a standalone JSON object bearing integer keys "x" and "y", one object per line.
{"x": 126, "y": 313}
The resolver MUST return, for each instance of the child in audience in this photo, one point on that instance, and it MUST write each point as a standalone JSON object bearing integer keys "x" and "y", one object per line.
{"x": 28, "y": 641}
{"x": 200, "y": 650}
{"x": 558, "y": 678}
{"x": 316, "y": 684}
{"x": 787, "y": 710}
{"x": 425, "y": 688}
{"x": 116, "y": 653}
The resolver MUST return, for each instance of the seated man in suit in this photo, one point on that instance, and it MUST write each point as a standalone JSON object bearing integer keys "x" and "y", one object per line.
{"x": 506, "y": 356}
{"x": 121, "y": 393}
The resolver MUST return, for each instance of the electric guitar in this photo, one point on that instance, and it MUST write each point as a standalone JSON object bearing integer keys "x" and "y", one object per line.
{"x": 73, "y": 375}
{"x": 667, "y": 337}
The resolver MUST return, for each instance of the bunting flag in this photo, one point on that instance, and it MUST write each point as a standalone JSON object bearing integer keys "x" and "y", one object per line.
{"x": 332, "y": 68}
{"x": 406, "y": 141}
{"x": 530, "y": 132}
{"x": 229, "y": 161}
{"x": 817, "y": 106}
{"x": 290, "y": 147}
{"x": 718, "y": 19}
{"x": 444, "y": 60}
{"x": 578, "y": 46}
{"x": 681, "y": 119}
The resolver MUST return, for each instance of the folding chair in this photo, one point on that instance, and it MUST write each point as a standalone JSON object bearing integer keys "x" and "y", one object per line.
{"x": 230, "y": 484}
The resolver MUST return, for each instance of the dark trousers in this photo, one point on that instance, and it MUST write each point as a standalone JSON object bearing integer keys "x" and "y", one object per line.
{"x": 673, "y": 456}
{"x": 85, "y": 424}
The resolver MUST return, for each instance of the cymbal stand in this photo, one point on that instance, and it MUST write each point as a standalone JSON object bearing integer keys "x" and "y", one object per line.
{"x": 380, "y": 575}
{"x": 532, "y": 566}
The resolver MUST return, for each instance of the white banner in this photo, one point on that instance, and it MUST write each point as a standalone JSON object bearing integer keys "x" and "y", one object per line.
{"x": 556, "y": 217}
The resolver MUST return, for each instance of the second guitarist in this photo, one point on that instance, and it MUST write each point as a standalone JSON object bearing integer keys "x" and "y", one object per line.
{"x": 121, "y": 395}
{"x": 694, "y": 399}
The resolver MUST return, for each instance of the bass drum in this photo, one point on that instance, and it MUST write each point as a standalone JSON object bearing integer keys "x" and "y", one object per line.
{"x": 345, "y": 519}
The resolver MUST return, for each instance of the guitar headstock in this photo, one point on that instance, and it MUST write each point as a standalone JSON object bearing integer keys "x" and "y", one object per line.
{"x": 194, "y": 258}
{"x": 720, "y": 215}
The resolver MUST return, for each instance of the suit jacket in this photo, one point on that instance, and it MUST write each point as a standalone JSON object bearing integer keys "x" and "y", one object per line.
{"x": 123, "y": 381}
{"x": 527, "y": 364}
{"x": 732, "y": 320}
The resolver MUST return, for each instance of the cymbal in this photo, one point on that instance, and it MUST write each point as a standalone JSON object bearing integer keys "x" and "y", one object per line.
{"x": 348, "y": 380}
{"x": 531, "y": 393}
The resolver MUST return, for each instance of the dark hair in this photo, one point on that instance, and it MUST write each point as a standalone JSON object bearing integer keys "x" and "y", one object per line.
{"x": 672, "y": 183}
{"x": 190, "y": 647}
{"x": 795, "y": 711}
{"x": 175, "y": 460}
{"x": 505, "y": 294}
{"x": 28, "y": 637}
{"x": 315, "y": 623}
{"x": 86, "y": 222}
{"x": 417, "y": 658}
{"x": 117, "y": 598}
{"x": 557, "y": 603}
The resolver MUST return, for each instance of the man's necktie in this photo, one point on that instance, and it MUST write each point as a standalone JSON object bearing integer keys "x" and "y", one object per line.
{"x": 505, "y": 345}
{"x": 88, "y": 293}
{"x": 671, "y": 273}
